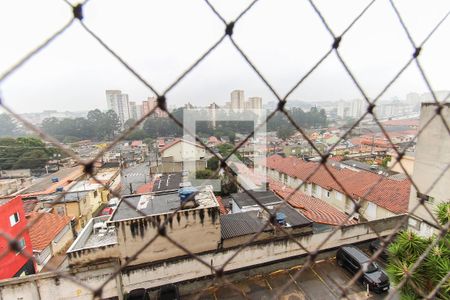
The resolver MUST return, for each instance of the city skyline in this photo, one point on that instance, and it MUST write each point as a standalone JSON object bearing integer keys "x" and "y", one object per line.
{"x": 76, "y": 58}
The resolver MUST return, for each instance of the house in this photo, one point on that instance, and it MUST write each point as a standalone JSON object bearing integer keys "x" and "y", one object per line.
{"x": 134, "y": 223}
{"x": 79, "y": 205}
{"x": 13, "y": 224}
{"x": 50, "y": 234}
{"x": 180, "y": 155}
{"x": 379, "y": 196}
{"x": 182, "y": 150}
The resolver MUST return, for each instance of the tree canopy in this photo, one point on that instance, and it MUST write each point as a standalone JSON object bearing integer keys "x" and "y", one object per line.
{"x": 24, "y": 153}
{"x": 97, "y": 126}
{"x": 405, "y": 251}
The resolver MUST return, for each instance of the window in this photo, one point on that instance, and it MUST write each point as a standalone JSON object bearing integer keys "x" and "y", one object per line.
{"x": 425, "y": 197}
{"x": 328, "y": 194}
{"x": 95, "y": 194}
{"x": 21, "y": 245}
{"x": 14, "y": 219}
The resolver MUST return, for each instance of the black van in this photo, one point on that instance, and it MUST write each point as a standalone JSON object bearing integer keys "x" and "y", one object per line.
{"x": 353, "y": 259}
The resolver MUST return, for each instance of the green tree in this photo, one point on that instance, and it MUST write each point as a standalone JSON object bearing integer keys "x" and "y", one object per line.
{"x": 408, "y": 247}
{"x": 285, "y": 132}
{"x": 212, "y": 163}
{"x": 24, "y": 152}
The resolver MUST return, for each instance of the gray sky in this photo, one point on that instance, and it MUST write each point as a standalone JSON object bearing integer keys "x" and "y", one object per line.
{"x": 160, "y": 39}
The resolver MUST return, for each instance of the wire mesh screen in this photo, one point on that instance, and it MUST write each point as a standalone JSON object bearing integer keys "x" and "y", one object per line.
{"x": 407, "y": 276}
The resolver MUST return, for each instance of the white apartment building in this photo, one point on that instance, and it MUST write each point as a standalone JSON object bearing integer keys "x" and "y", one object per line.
{"x": 254, "y": 103}
{"x": 237, "y": 99}
{"x": 119, "y": 103}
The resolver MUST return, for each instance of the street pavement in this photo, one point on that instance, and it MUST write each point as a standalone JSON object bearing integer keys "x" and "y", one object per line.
{"x": 323, "y": 280}
{"x": 134, "y": 176}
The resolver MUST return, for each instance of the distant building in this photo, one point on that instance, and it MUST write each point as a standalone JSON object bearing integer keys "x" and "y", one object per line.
{"x": 237, "y": 100}
{"x": 431, "y": 174}
{"x": 182, "y": 155}
{"x": 254, "y": 103}
{"x": 133, "y": 110}
{"x": 151, "y": 104}
{"x": 119, "y": 103}
{"x": 13, "y": 223}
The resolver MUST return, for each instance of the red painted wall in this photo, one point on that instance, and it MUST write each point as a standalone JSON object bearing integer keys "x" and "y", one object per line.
{"x": 11, "y": 263}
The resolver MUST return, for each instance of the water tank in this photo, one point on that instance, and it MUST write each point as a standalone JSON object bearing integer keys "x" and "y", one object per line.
{"x": 281, "y": 218}
{"x": 186, "y": 192}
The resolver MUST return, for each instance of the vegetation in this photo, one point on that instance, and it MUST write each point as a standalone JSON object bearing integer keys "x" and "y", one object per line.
{"x": 408, "y": 247}
{"x": 25, "y": 153}
{"x": 97, "y": 126}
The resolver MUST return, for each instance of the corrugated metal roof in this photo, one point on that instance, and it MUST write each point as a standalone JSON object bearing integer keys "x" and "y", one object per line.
{"x": 245, "y": 223}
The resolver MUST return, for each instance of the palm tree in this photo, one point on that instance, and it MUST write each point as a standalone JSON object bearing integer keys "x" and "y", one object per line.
{"x": 407, "y": 248}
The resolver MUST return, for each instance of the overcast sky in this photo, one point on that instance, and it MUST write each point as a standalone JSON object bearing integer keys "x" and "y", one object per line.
{"x": 160, "y": 39}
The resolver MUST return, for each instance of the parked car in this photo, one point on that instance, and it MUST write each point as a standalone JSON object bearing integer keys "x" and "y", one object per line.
{"x": 375, "y": 245}
{"x": 137, "y": 294}
{"x": 353, "y": 259}
{"x": 169, "y": 292}
{"x": 110, "y": 207}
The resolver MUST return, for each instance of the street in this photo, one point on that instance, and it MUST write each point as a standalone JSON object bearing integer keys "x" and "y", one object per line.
{"x": 134, "y": 176}
{"x": 324, "y": 280}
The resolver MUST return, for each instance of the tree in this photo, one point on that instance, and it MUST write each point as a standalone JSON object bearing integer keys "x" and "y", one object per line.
{"x": 408, "y": 247}
{"x": 212, "y": 163}
{"x": 24, "y": 152}
{"x": 7, "y": 126}
{"x": 285, "y": 132}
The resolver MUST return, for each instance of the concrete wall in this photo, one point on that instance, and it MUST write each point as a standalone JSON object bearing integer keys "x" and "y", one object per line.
{"x": 197, "y": 229}
{"x": 51, "y": 286}
{"x": 161, "y": 273}
{"x": 432, "y": 157}
{"x": 183, "y": 151}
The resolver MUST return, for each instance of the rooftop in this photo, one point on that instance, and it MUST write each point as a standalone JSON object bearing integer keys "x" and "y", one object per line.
{"x": 391, "y": 194}
{"x": 168, "y": 182}
{"x": 95, "y": 234}
{"x": 135, "y": 206}
{"x": 265, "y": 198}
{"x": 239, "y": 224}
{"x": 314, "y": 209}
{"x": 46, "y": 228}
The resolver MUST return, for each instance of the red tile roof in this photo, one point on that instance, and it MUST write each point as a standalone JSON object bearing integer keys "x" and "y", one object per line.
{"x": 222, "y": 208}
{"x": 145, "y": 188}
{"x": 45, "y": 229}
{"x": 314, "y": 209}
{"x": 391, "y": 194}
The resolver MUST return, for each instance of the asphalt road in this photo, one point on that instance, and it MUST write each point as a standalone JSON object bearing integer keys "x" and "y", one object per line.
{"x": 322, "y": 281}
{"x": 134, "y": 176}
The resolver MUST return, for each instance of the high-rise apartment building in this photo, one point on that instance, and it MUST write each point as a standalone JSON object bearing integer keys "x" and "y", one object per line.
{"x": 237, "y": 99}
{"x": 254, "y": 103}
{"x": 119, "y": 103}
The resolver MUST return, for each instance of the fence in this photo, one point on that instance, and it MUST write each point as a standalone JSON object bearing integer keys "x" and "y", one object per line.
{"x": 230, "y": 27}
